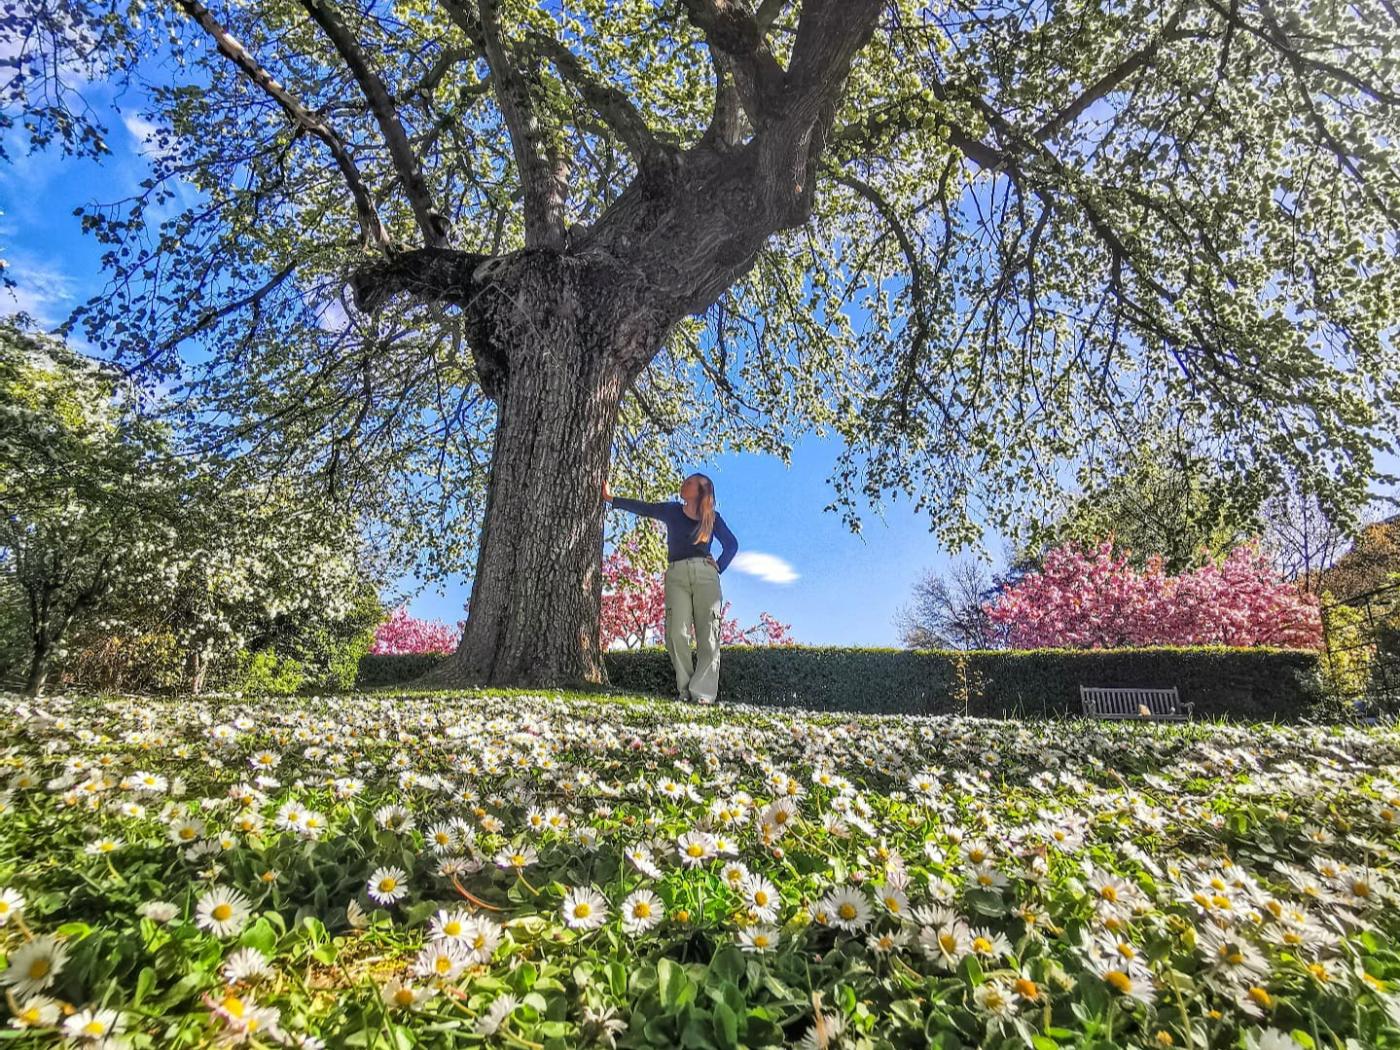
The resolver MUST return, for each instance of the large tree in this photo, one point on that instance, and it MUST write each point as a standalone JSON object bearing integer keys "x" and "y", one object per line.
{"x": 973, "y": 238}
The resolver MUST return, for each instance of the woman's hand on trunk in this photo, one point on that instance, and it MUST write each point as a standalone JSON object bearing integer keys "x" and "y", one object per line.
{"x": 607, "y": 492}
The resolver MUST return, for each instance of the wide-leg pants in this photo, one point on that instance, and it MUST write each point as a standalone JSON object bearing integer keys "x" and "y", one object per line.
{"x": 693, "y": 597}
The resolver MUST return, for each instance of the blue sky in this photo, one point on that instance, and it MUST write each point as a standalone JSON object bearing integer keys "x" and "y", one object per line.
{"x": 848, "y": 588}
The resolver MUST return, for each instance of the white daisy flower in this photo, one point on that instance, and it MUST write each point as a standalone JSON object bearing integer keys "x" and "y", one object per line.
{"x": 33, "y": 965}
{"x": 584, "y": 908}
{"x": 222, "y": 911}
{"x": 246, "y": 964}
{"x": 387, "y": 885}
{"x": 641, "y": 911}
{"x": 92, "y": 1026}
{"x": 758, "y": 939}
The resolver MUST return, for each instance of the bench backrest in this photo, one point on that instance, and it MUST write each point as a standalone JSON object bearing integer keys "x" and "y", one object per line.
{"x": 1129, "y": 703}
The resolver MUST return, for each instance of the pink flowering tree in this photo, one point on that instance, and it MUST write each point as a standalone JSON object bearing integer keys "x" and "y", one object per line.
{"x": 634, "y": 609}
{"x": 1094, "y": 599}
{"x": 402, "y": 633}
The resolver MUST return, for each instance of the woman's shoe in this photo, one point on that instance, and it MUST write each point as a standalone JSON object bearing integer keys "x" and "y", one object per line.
{"x": 704, "y": 700}
{"x": 682, "y": 698}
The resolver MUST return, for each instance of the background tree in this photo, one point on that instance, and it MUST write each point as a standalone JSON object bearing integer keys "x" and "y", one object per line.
{"x": 88, "y": 499}
{"x": 1167, "y": 497}
{"x": 949, "y": 610}
{"x": 1097, "y": 599}
{"x": 971, "y": 240}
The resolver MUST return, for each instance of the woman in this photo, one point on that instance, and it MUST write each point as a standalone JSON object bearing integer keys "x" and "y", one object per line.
{"x": 692, "y": 580}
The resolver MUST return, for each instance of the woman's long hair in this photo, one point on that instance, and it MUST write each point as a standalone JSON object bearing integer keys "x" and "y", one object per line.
{"x": 707, "y": 508}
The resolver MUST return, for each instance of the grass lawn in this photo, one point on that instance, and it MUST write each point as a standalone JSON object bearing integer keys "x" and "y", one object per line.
{"x": 557, "y": 870}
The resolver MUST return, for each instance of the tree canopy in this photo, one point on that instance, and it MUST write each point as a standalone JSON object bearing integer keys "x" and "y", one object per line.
{"x": 989, "y": 240}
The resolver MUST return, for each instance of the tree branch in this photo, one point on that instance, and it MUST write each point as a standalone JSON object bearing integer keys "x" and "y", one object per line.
{"x": 371, "y": 230}
{"x": 608, "y": 102}
{"x": 758, "y": 77}
{"x": 543, "y": 178}
{"x": 430, "y": 221}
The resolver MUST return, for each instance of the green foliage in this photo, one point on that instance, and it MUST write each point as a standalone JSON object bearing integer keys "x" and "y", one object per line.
{"x": 1256, "y": 683}
{"x": 266, "y": 673}
{"x": 1002, "y": 871}
{"x": 989, "y": 285}
{"x": 1160, "y": 499}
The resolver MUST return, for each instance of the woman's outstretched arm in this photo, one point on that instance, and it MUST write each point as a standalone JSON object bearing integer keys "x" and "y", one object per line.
{"x": 728, "y": 544}
{"x": 635, "y": 506}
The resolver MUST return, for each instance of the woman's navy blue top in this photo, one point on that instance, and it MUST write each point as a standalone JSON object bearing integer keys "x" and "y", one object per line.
{"x": 681, "y": 529}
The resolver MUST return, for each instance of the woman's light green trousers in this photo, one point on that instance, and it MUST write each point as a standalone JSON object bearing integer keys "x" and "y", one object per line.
{"x": 693, "y": 598}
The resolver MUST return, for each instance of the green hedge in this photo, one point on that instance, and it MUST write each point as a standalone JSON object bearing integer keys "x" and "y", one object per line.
{"x": 1244, "y": 684}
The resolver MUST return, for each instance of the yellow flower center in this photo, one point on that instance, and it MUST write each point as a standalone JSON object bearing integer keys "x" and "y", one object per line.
{"x": 947, "y": 942}
{"x": 1026, "y": 988}
{"x": 981, "y": 945}
{"x": 847, "y": 911}
{"x": 1260, "y": 996}
{"x": 39, "y": 968}
{"x": 222, "y": 912}
{"x": 1119, "y": 981}
{"x": 582, "y": 910}
{"x": 233, "y": 1005}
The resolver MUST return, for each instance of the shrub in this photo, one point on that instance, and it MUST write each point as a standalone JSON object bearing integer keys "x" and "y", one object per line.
{"x": 266, "y": 673}
{"x": 1255, "y": 683}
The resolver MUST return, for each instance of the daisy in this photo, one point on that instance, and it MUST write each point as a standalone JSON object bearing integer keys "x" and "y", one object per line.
{"x": 480, "y": 939}
{"x": 641, "y": 858}
{"x": 264, "y": 760}
{"x": 847, "y": 908}
{"x": 245, "y": 1019}
{"x": 758, "y": 939}
{"x": 91, "y": 1026}
{"x": 98, "y": 847}
{"x": 387, "y": 885}
{"x": 995, "y": 998}
{"x": 11, "y": 904}
{"x": 394, "y": 818}
{"x": 157, "y": 911}
{"x": 33, "y": 965}
{"x": 945, "y": 944}
{"x": 186, "y": 832}
{"x": 760, "y": 897}
{"x": 442, "y": 837}
{"x": 38, "y": 1011}
{"x": 695, "y": 847}
{"x": 246, "y": 964}
{"x": 884, "y": 943}
{"x": 584, "y": 908}
{"x": 988, "y": 945}
{"x": 495, "y": 1016}
{"x": 222, "y": 911}
{"x": 441, "y": 960}
{"x": 517, "y": 857}
{"x": 641, "y": 911}
{"x": 401, "y": 995}
{"x": 449, "y": 925}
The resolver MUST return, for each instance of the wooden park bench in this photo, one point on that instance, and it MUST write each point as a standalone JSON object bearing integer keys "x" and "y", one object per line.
{"x": 1156, "y": 705}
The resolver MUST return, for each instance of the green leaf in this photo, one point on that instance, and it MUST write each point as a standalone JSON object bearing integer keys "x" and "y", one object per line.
{"x": 726, "y": 1026}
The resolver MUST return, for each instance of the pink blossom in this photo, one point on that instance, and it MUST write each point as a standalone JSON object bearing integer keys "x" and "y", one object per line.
{"x": 1096, "y": 600}
{"x": 634, "y": 609}
{"x": 402, "y": 633}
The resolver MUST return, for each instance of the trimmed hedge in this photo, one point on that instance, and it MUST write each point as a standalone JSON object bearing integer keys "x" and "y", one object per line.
{"x": 1255, "y": 684}
{"x": 377, "y": 669}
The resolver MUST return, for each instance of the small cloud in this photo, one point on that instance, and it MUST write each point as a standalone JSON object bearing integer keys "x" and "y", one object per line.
{"x": 142, "y": 130}
{"x": 767, "y": 567}
{"x": 42, "y": 291}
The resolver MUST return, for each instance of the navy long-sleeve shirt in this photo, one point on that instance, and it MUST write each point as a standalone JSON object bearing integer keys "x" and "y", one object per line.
{"x": 681, "y": 529}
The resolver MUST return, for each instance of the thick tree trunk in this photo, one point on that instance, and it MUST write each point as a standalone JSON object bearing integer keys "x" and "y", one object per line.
{"x": 563, "y": 344}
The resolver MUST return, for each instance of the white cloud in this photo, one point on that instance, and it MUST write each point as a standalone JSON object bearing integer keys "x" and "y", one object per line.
{"x": 41, "y": 290}
{"x": 142, "y": 130}
{"x": 767, "y": 567}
